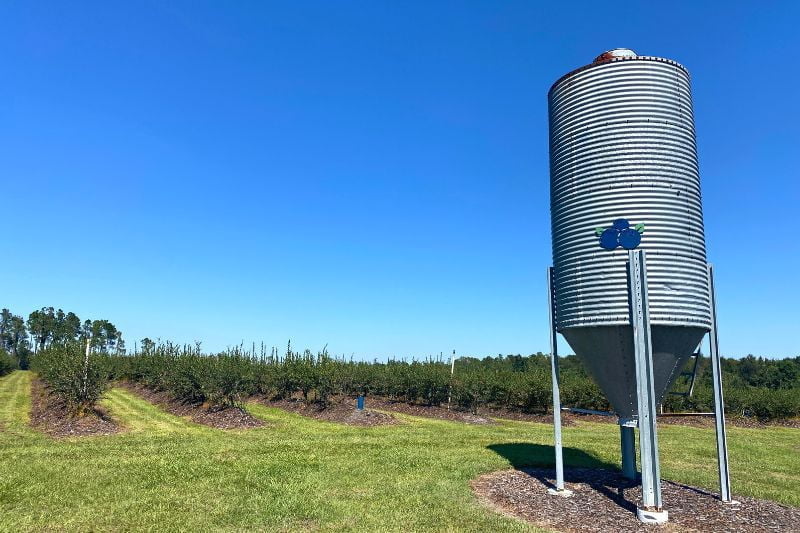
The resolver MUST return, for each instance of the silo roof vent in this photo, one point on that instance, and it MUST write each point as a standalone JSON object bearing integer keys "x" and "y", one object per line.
{"x": 614, "y": 54}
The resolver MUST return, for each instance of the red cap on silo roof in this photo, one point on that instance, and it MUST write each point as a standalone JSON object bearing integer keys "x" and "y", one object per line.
{"x": 614, "y": 54}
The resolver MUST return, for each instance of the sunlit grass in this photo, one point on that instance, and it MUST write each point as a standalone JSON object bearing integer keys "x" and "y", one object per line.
{"x": 167, "y": 473}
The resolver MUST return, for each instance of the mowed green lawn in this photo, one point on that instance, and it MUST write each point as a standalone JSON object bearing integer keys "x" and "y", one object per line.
{"x": 167, "y": 473}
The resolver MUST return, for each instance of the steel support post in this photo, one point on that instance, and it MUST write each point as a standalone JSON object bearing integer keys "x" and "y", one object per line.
{"x": 556, "y": 391}
{"x": 719, "y": 403}
{"x": 627, "y": 443}
{"x": 643, "y": 355}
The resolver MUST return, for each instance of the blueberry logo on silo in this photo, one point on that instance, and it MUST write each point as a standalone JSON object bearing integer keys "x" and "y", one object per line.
{"x": 620, "y": 234}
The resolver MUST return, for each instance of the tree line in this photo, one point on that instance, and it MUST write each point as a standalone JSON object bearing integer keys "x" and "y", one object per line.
{"x": 48, "y": 326}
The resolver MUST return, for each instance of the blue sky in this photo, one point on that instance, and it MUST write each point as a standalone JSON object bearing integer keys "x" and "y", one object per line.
{"x": 370, "y": 175}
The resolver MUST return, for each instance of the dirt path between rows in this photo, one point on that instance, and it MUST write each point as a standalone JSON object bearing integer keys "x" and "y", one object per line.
{"x": 226, "y": 418}
{"x": 340, "y": 410}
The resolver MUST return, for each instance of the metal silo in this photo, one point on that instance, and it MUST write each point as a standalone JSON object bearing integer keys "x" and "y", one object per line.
{"x": 622, "y": 146}
{"x": 630, "y": 289}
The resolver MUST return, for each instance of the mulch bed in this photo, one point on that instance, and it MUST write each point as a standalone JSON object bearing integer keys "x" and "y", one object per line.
{"x": 487, "y": 414}
{"x": 603, "y": 500}
{"x": 341, "y": 410}
{"x": 736, "y": 421}
{"x": 691, "y": 420}
{"x": 227, "y": 418}
{"x": 429, "y": 411}
{"x": 52, "y": 416}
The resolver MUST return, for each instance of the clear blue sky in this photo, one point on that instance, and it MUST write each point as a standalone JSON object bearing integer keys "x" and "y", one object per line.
{"x": 370, "y": 175}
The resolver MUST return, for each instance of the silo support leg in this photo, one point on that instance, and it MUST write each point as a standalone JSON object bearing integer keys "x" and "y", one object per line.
{"x": 719, "y": 403}
{"x": 651, "y": 510}
{"x": 626, "y": 437}
{"x": 559, "y": 456}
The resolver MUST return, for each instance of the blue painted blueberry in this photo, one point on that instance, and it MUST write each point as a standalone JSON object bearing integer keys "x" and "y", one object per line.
{"x": 609, "y": 239}
{"x": 630, "y": 238}
{"x": 621, "y": 224}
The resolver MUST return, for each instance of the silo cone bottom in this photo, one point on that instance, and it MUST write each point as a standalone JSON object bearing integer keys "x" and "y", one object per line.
{"x": 608, "y": 354}
{"x": 651, "y": 517}
{"x": 564, "y": 493}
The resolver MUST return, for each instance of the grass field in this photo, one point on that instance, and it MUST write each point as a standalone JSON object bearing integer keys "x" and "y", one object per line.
{"x": 167, "y": 473}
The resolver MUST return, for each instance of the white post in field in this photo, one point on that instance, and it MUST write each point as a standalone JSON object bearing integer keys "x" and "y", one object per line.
{"x": 452, "y": 370}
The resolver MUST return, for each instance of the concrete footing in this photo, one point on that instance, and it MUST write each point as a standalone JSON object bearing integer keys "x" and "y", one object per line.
{"x": 651, "y": 517}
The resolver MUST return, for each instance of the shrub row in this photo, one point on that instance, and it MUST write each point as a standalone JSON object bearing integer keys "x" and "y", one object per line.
{"x": 223, "y": 380}
{"x": 7, "y": 363}
{"x": 78, "y": 382}
{"x": 227, "y": 379}
{"x": 759, "y": 402}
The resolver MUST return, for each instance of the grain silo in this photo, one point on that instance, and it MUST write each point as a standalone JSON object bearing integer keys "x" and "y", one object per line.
{"x": 624, "y": 184}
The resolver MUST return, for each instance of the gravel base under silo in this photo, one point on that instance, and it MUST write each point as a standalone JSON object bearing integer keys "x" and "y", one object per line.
{"x": 603, "y": 500}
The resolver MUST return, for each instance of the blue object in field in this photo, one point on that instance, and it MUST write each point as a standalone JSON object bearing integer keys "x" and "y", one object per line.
{"x": 360, "y": 403}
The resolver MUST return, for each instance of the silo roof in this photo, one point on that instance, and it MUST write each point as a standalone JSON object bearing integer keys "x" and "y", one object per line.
{"x": 614, "y": 55}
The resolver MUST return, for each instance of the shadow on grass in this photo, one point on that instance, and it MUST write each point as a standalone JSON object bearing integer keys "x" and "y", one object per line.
{"x": 538, "y": 461}
{"x": 521, "y": 454}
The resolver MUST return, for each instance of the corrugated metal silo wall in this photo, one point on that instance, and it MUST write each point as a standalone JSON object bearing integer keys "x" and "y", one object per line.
{"x": 622, "y": 144}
